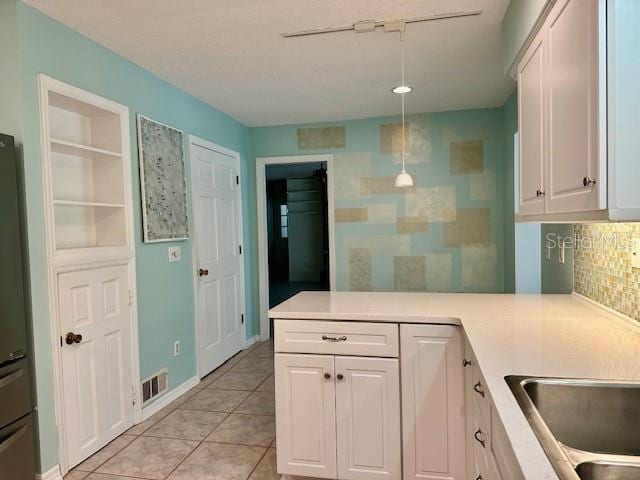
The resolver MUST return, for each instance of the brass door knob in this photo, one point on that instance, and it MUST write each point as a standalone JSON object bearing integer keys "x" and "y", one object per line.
{"x": 203, "y": 272}
{"x": 72, "y": 338}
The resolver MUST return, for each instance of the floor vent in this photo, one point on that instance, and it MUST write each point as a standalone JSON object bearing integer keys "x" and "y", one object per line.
{"x": 154, "y": 385}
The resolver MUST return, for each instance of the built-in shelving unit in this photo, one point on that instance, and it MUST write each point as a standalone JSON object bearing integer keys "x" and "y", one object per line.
{"x": 88, "y": 165}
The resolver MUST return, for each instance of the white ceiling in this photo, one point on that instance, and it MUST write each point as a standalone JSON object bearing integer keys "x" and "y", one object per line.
{"x": 230, "y": 53}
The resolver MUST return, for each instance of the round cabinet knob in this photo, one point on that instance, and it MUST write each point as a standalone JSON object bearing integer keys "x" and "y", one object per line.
{"x": 539, "y": 193}
{"x": 586, "y": 181}
{"x": 340, "y": 376}
{"x": 327, "y": 376}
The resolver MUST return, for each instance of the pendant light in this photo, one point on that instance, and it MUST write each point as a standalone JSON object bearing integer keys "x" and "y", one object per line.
{"x": 403, "y": 179}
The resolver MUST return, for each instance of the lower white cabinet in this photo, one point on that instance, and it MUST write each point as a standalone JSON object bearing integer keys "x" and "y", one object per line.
{"x": 433, "y": 413}
{"x": 338, "y": 417}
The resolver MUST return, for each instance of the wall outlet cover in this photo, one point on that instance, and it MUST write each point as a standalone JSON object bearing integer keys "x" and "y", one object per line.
{"x": 175, "y": 254}
{"x": 176, "y": 348}
{"x": 635, "y": 253}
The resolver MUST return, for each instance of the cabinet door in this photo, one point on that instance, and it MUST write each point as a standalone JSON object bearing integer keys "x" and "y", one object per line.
{"x": 368, "y": 418}
{"x": 572, "y": 81}
{"x": 433, "y": 421}
{"x": 531, "y": 121}
{"x": 305, "y": 414}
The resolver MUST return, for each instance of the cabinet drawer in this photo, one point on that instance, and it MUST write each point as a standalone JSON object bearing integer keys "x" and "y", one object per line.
{"x": 507, "y": 464}
{"x": 341, "y": 338}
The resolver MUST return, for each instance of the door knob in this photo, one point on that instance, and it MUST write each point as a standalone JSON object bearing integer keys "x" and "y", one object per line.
{"x": 72, "y": 338}
{"x": 203, "y": 272}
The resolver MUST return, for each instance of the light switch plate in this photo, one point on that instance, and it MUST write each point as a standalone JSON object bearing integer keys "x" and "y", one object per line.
{"x": 175, "y": 254}
{"x": 635, "y": 252}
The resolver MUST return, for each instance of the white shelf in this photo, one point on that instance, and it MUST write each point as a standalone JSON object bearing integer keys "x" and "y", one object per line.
{"x": 72, "y": 148}
{"x": 74, "y": 203}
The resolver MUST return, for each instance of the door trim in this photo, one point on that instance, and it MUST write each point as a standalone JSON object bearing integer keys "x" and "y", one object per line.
{"x": 126, "y": 257}
{"x": 200, "y": 142}
{"x": 263, "y": 254}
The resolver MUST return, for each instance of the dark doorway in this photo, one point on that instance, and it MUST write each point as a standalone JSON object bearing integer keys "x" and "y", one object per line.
{"x": 297, "y": 229}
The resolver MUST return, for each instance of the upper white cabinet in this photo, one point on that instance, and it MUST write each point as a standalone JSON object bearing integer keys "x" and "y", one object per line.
{"x": 433, "y": 403}
{"x": 571, "y": 166}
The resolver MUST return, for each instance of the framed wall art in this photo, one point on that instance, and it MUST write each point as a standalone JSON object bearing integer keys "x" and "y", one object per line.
{"x": 162, "y": 182}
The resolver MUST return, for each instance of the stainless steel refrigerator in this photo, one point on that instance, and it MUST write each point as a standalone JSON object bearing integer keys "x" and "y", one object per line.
{"x": 17, "y": 460}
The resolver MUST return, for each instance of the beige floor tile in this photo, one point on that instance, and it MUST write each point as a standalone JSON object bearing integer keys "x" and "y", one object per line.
{"x": 239, "y": 381}
{"x": 269, "y": 385}
{"x": 258, "y": 403}
{"x": 181, "y": 399}
{"x": 108, "y": 451}
{"x": 254, "y": 365}
{"x": 267, "y": 468}
{"x": 186, "y": 424}
{"x": 211, "y": 400}
{"x": 145, "y": 425}
{"x": 75, "y": 475}
{"x": 103, "y": 476}
{"x": 263, "y": 351}
{"x": 148, "y": 457}
{"x": 216, "y": 461}
{"x": 259, "y": 430}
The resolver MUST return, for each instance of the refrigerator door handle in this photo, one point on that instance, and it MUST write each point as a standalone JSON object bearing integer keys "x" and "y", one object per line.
{"x": 13, "y": 438}
{"x": 12, "y": 377}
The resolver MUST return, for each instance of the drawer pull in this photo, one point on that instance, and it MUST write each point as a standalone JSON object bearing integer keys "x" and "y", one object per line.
{"x": 479, "y": 477}
{"x": 334, "y": 339}
{"x": 327, "y": 376}
{"x": 477, "y": 388}
{"x": 466, "y": 363}
{"x": 476, "y": 435}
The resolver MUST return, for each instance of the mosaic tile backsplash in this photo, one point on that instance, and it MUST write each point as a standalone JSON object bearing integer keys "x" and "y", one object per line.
{"x": 445, "y": 234}
{"x": 602, "y": 266}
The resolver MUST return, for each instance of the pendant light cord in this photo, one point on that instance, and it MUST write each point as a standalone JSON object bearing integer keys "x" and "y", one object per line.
{"x": 402, "y": 95}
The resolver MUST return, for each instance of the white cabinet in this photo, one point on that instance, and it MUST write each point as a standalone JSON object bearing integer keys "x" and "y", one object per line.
{"x": 368, "y": 418}
{"x": 306, "y": 415}
{"x": 432, "y": 402}
{"x": 577, "y": 152}
{"x": 338, "y": 417}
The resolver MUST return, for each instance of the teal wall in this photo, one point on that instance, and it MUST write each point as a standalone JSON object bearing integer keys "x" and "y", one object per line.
{"x": 509, "y": 128}
{"x": 9, "y": 72}
{"x": 518, "y": 21}
{"x": 373, "y": 250}
{"x": 556, "y": 277}
{"x": 165, "y": 291}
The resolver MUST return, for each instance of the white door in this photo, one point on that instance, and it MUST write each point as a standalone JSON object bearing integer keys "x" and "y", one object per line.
{"x": 433, "y": 417}
{"x": 217, "y": 221}
{"x": 531, "y": 123}
{"x": 368, "y": 418}
{"x": 305, "y": 410}
{"x": 573, "y": 109}
{"x": 96, "y": 363}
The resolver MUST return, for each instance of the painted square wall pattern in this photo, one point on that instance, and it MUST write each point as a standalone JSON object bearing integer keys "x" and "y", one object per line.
{"x": 446, "y": 233}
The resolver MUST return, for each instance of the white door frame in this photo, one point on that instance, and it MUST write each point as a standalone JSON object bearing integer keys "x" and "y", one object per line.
{"x": 200, "y": 142}
{"x": 263, "y": 253}
{"x": 125, "y": 256}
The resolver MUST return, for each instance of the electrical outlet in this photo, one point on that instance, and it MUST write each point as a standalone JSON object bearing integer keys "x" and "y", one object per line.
{"x": 175, "y": 254}
{"x": 176, "y": 348}
{"x": 635, "y": 253}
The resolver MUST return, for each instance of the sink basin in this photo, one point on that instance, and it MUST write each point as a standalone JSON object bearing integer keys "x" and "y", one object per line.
{"x": 589, "y": 429}
{"x": 607, "y": 471}
{"x": 595, "y": 416}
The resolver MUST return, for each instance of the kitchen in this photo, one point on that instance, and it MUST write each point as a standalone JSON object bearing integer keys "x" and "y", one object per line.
{"x": 481, "y": 240}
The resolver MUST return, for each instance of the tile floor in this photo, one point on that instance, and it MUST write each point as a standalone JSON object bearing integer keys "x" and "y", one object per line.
{"x": 222, "y": 429}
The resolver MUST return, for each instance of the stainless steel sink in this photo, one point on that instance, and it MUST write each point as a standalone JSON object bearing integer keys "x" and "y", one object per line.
{"x": 589, "y": 429}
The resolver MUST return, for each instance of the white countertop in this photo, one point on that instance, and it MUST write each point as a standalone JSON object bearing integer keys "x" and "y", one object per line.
{"x": 539, "y": 335}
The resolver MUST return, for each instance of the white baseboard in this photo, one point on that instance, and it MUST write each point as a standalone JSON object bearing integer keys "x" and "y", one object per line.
{"x": 51, "y": 474}
{"x": 251, "y": 341}
{"x": 170, "y": 397}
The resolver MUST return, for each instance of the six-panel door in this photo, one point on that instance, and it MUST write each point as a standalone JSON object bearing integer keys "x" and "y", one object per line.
{"x": 96, "y": 363}
{"x": 433, "y": 419}
{"x": 305, "y": 412}
{"x": 368, "y": 418}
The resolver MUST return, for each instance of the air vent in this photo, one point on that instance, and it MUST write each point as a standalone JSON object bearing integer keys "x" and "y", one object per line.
{"x": 154, "y": 385}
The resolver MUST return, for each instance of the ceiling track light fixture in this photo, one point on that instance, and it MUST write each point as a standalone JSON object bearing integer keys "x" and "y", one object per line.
{"x": 403, "y": 179}
{"x": 365, "y": 26}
